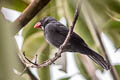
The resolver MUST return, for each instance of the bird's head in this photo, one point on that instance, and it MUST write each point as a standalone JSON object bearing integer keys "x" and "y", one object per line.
{"x": 44, "y": 21}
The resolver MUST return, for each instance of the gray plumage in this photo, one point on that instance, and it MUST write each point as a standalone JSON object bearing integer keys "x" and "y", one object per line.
{"x": 55, "y": 34}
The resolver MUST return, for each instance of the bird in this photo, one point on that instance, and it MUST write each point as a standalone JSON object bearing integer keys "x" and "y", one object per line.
{"x": 55, "y": 33}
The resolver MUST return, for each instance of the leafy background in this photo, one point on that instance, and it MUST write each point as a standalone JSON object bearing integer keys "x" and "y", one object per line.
{"x": 102, "y": 15}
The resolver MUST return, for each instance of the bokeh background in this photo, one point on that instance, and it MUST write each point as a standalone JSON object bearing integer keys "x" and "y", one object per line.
{"x": 98, "y": 25}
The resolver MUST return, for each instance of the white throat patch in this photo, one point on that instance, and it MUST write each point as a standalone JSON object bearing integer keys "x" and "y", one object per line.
{"x": 42, "y": 27}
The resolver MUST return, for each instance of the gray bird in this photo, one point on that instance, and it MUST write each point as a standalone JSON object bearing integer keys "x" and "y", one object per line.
{"x": 55, "y": 34}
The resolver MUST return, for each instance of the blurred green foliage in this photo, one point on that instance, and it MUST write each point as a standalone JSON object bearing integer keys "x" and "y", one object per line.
{"x": 34, "y": 42}
{"x": 112, "y": 29}
{"x": 18, "y": 5}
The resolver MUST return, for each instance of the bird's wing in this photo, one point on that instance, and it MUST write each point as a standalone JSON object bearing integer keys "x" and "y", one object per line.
{"x": 76, "y": 38}
{"x": 62, "y": 30}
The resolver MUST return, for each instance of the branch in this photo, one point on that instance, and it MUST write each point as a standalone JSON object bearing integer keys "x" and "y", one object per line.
{"x": 58, "y": 54}
{"x": 29, "y": 13}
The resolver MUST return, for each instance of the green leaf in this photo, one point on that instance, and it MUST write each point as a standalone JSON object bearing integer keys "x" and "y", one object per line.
{"x": 112, "y": 29}
{"x": 28, "y": 29}
{"x": 18, "y": 5}
{"x": 114, "y": 5}
{"x": 32, "y": 44}
{"x": 118, "y": 69}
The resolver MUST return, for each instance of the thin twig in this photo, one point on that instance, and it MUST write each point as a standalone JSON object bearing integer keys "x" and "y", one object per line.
{"x": 34, "y": 7}
{"x": 58, "y": 54}
{"x": 36, "y": 56}
{"x": 23, "y": 71}
{"x": 30, "y": 60}
{"x": 117, "y": 49}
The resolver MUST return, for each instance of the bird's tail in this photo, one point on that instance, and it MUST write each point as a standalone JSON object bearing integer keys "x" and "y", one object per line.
{"x": 99, "y": 60}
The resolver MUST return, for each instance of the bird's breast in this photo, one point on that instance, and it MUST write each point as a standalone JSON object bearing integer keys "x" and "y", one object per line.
{"x": 53, "y": 38}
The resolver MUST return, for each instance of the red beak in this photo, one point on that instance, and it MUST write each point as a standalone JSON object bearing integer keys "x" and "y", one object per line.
{"x": 37, "y": 25}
